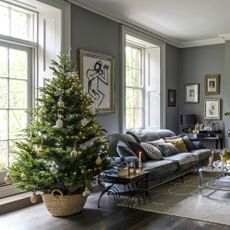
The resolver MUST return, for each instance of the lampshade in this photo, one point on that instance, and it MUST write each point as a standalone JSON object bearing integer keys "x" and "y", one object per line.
{"x": 188, "y": 119}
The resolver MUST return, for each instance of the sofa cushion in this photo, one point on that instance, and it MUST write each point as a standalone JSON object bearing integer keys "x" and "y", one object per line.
{"x": 167, "y": 149}
{"x": 179, "y": 144}
{"x": 151, "y": 151}
{"x": 184, "y": 160}
{"x": 188, "y": 143}
{"x": 202, "y": 154}
{"x": 113, "y": 140}
{"x": 123, "y": 150}
{"x": 145, "y": 135}
{"x": 136, "y": 148}
{"x": 160, "y": 168}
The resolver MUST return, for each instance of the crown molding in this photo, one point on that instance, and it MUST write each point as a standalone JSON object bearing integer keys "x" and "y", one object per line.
{"x": 204, "y": 42}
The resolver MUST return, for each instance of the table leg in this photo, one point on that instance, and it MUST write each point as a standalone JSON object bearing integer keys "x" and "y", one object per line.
{"x": 200, "y": 179}
{"x": 102, "y": 193}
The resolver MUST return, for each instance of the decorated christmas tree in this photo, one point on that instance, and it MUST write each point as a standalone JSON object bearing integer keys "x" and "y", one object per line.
{"x": 64, "y": 145}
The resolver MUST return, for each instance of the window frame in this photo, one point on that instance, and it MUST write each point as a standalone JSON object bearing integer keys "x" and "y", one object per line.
{"x": 148, "y": 37}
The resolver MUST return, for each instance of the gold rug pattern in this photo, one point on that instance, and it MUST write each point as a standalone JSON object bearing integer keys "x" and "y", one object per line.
{"x": 183, "y": 199}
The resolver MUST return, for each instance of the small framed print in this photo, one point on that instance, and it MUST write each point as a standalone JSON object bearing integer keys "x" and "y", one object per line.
{"x": 192, "y": 93}
{"x": 172, "y": 97}
{"x": 212, "y": 84}
{"x": 212, "y": 109}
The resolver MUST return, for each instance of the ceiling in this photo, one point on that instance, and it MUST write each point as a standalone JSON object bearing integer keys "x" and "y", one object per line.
{"x": 183, "y": 23}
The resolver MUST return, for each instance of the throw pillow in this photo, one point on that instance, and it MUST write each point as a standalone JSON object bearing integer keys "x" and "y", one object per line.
{"x": 123, "y": 150}
{"x": 136, "y": 148}
{"x": 167, "y": 149}
{"x": 188, "y": 143}
{"x": 152, "y": 152}
{"x": 179, "y": 144}
{"x": 156, "y": 142}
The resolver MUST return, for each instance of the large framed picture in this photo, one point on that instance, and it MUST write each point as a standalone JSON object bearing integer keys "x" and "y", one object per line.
{"x": 212, "y": 84}
{"x": 192, "y": 93}
{"x": 171, "y": 97}
{"x": 97, "y": 75}
{"x": 212, "y": 109}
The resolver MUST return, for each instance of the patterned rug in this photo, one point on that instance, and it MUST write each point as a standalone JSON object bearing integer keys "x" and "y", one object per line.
{"x": 183, "y": 199}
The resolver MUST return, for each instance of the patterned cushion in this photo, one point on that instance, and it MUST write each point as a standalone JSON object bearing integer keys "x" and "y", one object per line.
{"x": 179, "y": 144}
{"x": 188, "y": 143}
{"x": 167, "y": 149}
{"x": 152, "y": 152}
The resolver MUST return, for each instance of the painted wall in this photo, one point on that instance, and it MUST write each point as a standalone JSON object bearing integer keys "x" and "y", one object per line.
{"x": 172, "y": 76}
{"x": 93, "y": 32}
{"x": 194, "y": 64}
{"x": 96, "y": 33}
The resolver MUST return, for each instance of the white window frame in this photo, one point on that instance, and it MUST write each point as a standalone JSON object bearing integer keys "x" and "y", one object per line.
{"x": 148, "y": 38}
{"x": 37, "y": 6}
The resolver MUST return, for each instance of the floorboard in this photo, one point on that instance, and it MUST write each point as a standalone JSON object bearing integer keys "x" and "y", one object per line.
{"x": 109, "y": 216}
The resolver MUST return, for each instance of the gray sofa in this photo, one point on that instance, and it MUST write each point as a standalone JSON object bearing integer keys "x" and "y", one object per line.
{"x": 171, "y": 167}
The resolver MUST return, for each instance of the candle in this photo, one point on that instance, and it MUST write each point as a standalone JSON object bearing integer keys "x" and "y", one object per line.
{"x": 139, "y": 156}
{"x": 138, "y": 170}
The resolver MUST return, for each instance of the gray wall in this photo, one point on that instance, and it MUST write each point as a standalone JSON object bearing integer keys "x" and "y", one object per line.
{"x": 194, "y": 64}
{"x": 96, "y": 33}
{"x": 92, "y": 32}
{"x": 172, "y": 76}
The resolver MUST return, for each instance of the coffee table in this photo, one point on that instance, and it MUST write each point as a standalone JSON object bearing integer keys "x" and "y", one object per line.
{"x": 133, "y": 187}
{"x": 219, "y": 179}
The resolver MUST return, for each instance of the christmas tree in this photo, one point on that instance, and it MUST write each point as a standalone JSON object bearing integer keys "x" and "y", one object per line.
{"x": 65, "y": 146}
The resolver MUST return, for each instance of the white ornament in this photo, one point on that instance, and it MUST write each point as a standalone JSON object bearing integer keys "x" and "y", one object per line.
{"x": 59, "y": 123}
{"x": 87, "y": 143}
{"x": 42, "y": 111}
{"x": 74, "y": 153}
{"x": 86, "y": 192}
{"x": 53, "y": 168}
{"x": 60, "y": 103}
{"x": 84, "y": 122}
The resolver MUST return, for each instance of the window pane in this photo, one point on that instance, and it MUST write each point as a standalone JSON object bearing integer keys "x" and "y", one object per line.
{"x": 3, "y": 61}
{"x": 18, "y": 94}
{"x": 3, "y": 93}
{"x": 133, "y": 77}
{"x": 12, "y": 149}
{"x": 128, "y": 53}
{"x": 3, "y": 125}
{"x": 138, "y": 118}
{"x": 4, "y": 17}
{"x": 136, "y": 58}
{"x": 129, "y": 119}
{"x": 19, "y": 25}
{"x": 18, "y": 64}
{"x": 3, "y": 155}
{"x": 137, "y": 98}
{"x": 129, "y": 98}
{"x": 17, "y": 122}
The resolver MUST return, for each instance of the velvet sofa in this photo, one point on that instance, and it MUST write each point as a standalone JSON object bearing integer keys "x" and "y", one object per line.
{"x": 169, "y": 167}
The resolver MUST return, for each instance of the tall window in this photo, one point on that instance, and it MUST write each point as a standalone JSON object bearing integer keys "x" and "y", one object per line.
{"x": 143, "y": 84}
{"x": 134, "y": 87}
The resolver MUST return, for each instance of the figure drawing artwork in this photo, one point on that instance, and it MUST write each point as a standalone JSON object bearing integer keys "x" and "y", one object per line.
{"x": 96, "y": 71}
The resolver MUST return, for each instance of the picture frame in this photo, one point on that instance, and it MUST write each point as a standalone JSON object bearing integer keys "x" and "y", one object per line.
{"x": 96, "y": 72}
{"x": 172, "y": 97}
{"x": 212, "y": 109}
{"x": 212, "y": 84}
{"x": 192, "y": 93}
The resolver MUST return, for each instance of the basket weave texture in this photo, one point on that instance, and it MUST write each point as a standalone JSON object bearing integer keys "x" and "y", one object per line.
{"x": 60, "y": 205}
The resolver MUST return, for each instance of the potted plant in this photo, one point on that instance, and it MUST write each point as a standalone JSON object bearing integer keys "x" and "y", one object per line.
{"x": 64, "y": 146}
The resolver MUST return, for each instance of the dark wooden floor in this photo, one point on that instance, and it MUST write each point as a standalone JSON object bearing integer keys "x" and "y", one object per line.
{"x": 109, "y": 217}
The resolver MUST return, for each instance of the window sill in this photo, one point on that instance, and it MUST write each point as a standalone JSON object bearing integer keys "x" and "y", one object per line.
{"x": 19, "y": 201}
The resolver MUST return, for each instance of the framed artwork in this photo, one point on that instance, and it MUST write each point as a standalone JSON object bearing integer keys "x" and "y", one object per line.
{"x": 212, "y": 109}
{"x": 171, "y": 97}
{"x": 192, "y": 92}
{"x": 97, "y": 75}
{"x": 212, "y": 84}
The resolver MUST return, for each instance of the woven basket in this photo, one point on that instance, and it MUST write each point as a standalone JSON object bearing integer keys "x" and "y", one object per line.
{"x": 60, "y": 205}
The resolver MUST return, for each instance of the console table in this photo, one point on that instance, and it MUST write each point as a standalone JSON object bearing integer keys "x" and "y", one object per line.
{"x": 218, "y": 139}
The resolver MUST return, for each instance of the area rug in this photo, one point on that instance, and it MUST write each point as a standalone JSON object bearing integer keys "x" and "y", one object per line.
{"x": 183, "y": 199}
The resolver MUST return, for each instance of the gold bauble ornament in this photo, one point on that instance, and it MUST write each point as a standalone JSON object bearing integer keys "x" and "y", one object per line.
{"x": 98, "y": 161}
{"x": 34, "y": 199}
{"x": 40, "y": 151}
{"x": 7, "y": 180}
